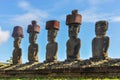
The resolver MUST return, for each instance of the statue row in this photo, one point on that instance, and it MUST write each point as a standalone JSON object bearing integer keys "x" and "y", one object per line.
{"x": 100, "y": 43}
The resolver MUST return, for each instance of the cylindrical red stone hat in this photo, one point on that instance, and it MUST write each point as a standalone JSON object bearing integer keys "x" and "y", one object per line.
{"x": 33, "y": 27}
{"x": 52, "y": 24}
{"x": 73, "y": 18}
{"x": 17, "y": 32}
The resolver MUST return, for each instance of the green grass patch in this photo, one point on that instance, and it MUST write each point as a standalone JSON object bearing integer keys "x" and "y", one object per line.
{"x": 57, "y": 79}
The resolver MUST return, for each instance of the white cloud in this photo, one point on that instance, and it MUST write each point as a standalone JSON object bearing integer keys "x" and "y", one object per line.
{"x": 4, "y": 36}
{"x": 92, "y": 13}
{"x": 27, "y": 17}
{"x": 94, "y": 3}
{"x": 93, "y": 16}
{"x": 116, "y": 19}
{"x": 30, "y": 14}
{"x": 24, "y": 5}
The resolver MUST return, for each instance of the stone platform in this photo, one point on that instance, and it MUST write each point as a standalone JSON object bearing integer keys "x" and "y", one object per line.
{"x": 87, "y": 68}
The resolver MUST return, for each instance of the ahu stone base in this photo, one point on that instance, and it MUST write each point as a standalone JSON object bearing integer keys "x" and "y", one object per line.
{"x": 75, "y": 69}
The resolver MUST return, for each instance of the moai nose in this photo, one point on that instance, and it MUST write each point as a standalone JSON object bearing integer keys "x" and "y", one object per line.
{"x": 71, "y": 28}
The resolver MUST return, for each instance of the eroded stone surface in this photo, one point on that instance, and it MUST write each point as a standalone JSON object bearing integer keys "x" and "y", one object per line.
{"x": 60, "y": 65}
{"x": 52, "y": 46}
{"x": 33, "y": 27}
{"x": 100, "y": 43}
{"x": 17, "y": 32}
{"x": 17, "y": 52}
{"x": 33, "y": 30}
{"x": 74, "y": 43}
{"x": 73, "y": 18}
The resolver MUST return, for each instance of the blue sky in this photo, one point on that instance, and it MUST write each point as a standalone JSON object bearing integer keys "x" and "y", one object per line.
{"x": 21, "y": 12}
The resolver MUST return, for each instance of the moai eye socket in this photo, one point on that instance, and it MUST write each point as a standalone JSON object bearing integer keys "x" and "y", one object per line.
{"x": 102, "y": 25}
{"x": 70, "y": 26}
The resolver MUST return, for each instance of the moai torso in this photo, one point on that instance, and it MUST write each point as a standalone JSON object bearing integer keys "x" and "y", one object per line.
{"x": 52, "y": 46}
{"x": 73, "y": 47}
{"x": 17, "y": 56}
{"x": 100, "y": 46}
{"x": 74, "y": 43}
{"x": 51, "y": 51}
{"x": 100, "y": 43}
{"x": 33, "y": 53}
{"x": 17, "y": 52}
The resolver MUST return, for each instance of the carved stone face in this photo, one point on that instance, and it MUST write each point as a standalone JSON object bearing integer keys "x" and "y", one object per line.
{"x": 32, "y": 37}
{"x": 17, "y": 42}
{"x": 74, "y": 30}
{"x": 101, "y": 28}
{"x": 52, "y": 35}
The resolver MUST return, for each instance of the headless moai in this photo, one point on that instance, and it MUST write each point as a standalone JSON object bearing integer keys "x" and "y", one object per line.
{"x": 17, "y": 52}
{"x": 33, "y": 30}
{"x": 74, "y": 43}
{"x": 52, "y": 46}
{"x": 100, "y": 43}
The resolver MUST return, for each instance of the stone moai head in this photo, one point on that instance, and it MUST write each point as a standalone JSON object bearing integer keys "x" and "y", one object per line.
{"x": 33, "y": 30}
{"x": 101, "y": 27}
{"x": 74, "y": 21}
{"x": 52, "y": 26}
{"x": 18, "y": 35}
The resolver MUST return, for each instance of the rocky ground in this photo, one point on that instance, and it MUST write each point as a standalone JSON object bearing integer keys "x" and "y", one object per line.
{"x": 60, "y": 64}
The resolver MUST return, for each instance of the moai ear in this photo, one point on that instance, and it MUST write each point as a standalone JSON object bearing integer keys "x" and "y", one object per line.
{"x": 55, "y": 32}
{"x": 79, "y": 28}
{"x": 106, "y": 25}
{"x": 35, "y": 36}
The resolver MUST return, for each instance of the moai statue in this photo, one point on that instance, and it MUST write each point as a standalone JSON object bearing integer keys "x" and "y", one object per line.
{"x": 100, "y": 43}
{"x": 33, "y": 30}
{"x": 52, "y": 46}
{"x": 17, "y": 52}
{"x": 74, "y": 43}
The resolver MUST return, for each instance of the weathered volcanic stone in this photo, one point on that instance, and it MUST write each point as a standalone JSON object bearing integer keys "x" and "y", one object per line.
{"x": 74, "y": 43}
{"x": 52, "y": 46}
{"x": 52, "y": 24}
{"x": 100, "y": 43}
{"x": 17, "y": 32}
{"x": 33, "y": 30}
{"x": 17, "y": 52}
{"x": 33, "y": 27}
{"x": 74, "y": 18}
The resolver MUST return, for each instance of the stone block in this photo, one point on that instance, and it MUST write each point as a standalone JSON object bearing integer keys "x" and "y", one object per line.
{"x": 52, "y": 24}
{"x": 73, "y": 18}
{"x": 33, "y": 28}
{"x": 17, "y": 32}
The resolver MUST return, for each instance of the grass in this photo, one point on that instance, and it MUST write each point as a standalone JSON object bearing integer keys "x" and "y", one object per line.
{"x": 58, "y": 79}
